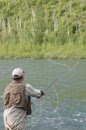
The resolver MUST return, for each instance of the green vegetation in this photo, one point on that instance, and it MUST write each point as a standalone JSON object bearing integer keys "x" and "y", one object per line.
{"x": 42, "y": 29}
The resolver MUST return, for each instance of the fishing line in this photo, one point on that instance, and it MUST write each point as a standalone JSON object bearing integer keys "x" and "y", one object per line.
{"x": 57, "y": 97}
{"x": 58, "y": 63}
{"x": 58, "y": 78}
{"x": 61, "y": 76}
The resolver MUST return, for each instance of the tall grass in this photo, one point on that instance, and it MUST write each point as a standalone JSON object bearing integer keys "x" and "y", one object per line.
{"x": 45, "y": 51}
{"x": 42, "y": 29}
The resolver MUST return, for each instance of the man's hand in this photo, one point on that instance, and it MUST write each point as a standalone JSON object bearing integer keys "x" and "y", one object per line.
{"x": 42, "y": 92}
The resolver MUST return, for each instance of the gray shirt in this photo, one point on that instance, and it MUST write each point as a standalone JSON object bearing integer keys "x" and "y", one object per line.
{"x": 30, "y": 91}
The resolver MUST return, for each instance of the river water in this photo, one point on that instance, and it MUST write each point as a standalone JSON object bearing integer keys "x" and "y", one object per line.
{"x": 64, "y": 105}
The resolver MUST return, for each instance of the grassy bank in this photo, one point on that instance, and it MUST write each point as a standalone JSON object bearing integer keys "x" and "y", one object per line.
{"x": 44, "y": 51}
{"x": 42, "y": 29}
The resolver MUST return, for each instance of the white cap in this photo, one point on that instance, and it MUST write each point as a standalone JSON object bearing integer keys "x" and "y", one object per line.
{"x": 17, "y": 72}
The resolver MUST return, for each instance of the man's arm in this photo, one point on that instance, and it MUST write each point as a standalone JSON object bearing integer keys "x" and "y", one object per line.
{"x": 30, "y": 91}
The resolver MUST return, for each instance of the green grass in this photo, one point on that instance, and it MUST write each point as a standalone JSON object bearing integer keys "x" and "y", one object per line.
{"x": 45, "y": 51}
{"x": 57, "y": 31}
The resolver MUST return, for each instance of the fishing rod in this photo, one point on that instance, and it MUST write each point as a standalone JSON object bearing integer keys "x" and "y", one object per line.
{"x": 59, "y": 77}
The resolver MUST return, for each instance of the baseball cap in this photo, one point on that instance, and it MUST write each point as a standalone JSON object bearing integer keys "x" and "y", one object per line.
{"x": 17, "y": 72}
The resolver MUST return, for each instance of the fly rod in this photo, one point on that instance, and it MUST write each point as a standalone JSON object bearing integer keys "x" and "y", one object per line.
{"x": 59, "y": 77}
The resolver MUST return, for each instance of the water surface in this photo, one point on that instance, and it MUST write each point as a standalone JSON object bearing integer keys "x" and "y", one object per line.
{"x": 64, "y": 106}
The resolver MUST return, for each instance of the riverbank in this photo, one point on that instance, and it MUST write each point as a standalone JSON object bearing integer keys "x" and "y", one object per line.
{"x": 44, "y": 51}
{"x": 57, "y": 31}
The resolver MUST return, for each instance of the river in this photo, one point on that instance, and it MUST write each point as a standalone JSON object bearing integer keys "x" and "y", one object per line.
{"x": 64, "y": 105}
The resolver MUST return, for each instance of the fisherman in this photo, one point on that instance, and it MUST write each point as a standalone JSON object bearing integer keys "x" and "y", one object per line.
{"x": 17, "y": 101}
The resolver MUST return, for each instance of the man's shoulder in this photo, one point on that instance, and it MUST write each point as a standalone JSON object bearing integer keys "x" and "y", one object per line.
{"x": 28, "y": 85}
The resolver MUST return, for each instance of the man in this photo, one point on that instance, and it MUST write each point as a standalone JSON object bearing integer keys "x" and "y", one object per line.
{"x": 17, "y": 101}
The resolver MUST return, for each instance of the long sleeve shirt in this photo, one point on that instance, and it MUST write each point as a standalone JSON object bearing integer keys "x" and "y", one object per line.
{"x": 30, "y": 91}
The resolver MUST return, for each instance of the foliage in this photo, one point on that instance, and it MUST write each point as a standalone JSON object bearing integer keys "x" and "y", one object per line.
{"x": 43, "y": 22}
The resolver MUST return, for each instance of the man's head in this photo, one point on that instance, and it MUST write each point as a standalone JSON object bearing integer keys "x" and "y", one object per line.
{"x": 17, "y": 74}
